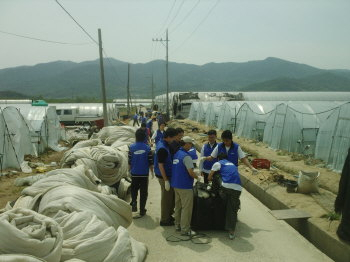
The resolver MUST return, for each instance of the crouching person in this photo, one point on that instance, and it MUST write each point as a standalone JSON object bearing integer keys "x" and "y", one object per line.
{"x": 140, "y": 162}
{"x": 231, "y": 188}
{"x": 182, "y": 182}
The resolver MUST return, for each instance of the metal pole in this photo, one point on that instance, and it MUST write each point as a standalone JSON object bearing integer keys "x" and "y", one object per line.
{"x": 167, "y": 76}
{"x": 128, "y": 91}
{"x": 152, "y": 93}
{"x": 104, "y": 100}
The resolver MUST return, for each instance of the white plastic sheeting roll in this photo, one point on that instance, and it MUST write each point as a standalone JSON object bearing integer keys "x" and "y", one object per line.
{"x": 109, "y": 208}
{"x": 111, "y": 134}
{"x": 24, "y": 231}
{"x": 109, "y": 164}
{"x": 77, "y": 176}
{"x": 19, "y": 258}
{"x": 92, "y": 240}
{"x": 88, "y": 143}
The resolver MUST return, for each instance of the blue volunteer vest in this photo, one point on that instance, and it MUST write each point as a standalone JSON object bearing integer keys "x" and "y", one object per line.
{"x": 149, "y": 124}
{"x": 139, "y": 158}
{"x": 193, "y": 153}
{"x": 143, "y": 120}
{"x": 135, "y": 117}
{"x": 167, "y": 164}
{"x": 229, "y": 172}
{"x": 232, "y": 154}
{"x": 181, "y": 178}
{"x": 159, "y": 136}
{"x": 207, "y": 165}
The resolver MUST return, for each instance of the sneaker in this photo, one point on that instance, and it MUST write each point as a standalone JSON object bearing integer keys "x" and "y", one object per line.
{"x": 133, "y": 206}
{"x": 231, "y": 236}
{"x": 143, "y": 212}
{"x": 177, "y": 228}
{"x": 165, "y": 224}
{"x": 189, "y": 233}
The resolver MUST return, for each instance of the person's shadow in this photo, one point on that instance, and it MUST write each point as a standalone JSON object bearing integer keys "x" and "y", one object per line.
{"x": 240, "y": 243}
{"x": 145, "y": 221}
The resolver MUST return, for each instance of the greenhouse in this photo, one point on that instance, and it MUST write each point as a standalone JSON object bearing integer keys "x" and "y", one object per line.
{"x": 15, "y": 138}
{"x": 314, "y": 128}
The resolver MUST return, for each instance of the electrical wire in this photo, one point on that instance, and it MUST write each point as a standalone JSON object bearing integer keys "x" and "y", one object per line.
{"x": 186, "y": 16}
{"x": 194, "y": 31}
{"x": 166, "y": 20}
{"x": 42, "y": 40}
{"x": 77, "y": 22}
{"x": 176, "y": 14}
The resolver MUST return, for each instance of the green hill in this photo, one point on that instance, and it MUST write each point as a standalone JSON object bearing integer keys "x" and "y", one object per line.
{"x": 65, "y": 79}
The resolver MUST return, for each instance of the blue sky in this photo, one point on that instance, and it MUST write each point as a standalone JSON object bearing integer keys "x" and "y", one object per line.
{"x": 304, "y": 31}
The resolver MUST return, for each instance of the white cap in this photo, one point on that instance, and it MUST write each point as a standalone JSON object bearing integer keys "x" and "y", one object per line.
{"x": 188, "y": 139}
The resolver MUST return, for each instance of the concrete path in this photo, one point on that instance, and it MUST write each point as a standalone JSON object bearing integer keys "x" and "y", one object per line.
{"x": 260, "y": 237}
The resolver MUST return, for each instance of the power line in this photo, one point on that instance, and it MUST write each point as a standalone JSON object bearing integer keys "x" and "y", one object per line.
{"x": 77, "y": 23}
{"x": 187, "y": 15}
{"x": 42, "y": 40}
{"x": 176, "y": 14}
{"x": 166, "y": 20}
{"x": 194, "y": 31}
{"x": 103, "y": 50}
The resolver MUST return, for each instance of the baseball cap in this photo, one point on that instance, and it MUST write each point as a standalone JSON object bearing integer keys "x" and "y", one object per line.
{"x": 188, "y": 139}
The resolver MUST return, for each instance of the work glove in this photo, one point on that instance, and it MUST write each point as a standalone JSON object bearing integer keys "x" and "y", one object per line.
{"x": 199, "y": 178}
{"x": 255, "y": 171}
{"x": 167, "y": 185}
{"x": 203, "y": 158}
{"x": 152, "y": 173}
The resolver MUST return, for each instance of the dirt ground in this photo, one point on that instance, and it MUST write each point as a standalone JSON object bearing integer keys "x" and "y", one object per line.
{"x": 9, "y": 192}
{"x": 318, "y": 205}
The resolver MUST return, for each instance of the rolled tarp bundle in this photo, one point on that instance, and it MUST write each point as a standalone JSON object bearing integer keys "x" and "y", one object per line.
{"x": 88, "y": 238}
{"x": 111, "y": 134}
{"x": 108, "y": 208}
{"x": 24, "y": 231}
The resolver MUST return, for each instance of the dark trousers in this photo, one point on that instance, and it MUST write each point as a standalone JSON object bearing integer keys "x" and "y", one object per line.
{"x": 139, "y": 183}
{"x": 135, "y": 122}
{"x": 205, "y": 175}
{"x": 231, "y": 197}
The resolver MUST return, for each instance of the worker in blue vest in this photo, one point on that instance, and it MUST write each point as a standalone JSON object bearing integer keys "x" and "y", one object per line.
{"x": 207, "y": 149}
{"x": 149, "y": 124}
{"x": 135, "y": 118}
{"x": 143, "y": 118}
{"x": 193, "y": 153}
{"x": 147, "y": 133}
{"x": 231, "y": 188}
{"x": 158, "y": 135}
{"x": 182, "y": 182}
{"x": 162, "y": 170}
{"x": 232, "y": 150}
{"x": 140, "y": 162}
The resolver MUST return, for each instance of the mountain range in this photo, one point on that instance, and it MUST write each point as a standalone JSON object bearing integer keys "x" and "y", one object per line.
{"x": 65, "y": 79}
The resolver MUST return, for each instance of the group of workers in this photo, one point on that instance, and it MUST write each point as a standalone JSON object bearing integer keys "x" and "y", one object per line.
{"x": 173, "y": 163}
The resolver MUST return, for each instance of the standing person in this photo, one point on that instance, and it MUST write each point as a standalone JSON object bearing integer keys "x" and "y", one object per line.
{"x": 175, "y": 145}
{"x": 140, "y": 162}
{"x": 232, "y": 150}
{"x": 162, "y": 170}
{"x": 158, "y": 135}
{"x": 182, "y": 182}
{"x": 193, "y": 153}
{"x": 149, "y": 124}
{"x": 231, "y": 188}
{"x": 135, "y": 118}
{"x": 143, "y": 118}
{"x": 342, "y": 202}
{"x": 207, "y": 149}
{"x": 147, "y": 133}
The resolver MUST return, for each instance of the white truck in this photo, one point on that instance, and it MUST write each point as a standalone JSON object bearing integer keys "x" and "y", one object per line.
{"x": 76, "y": 116}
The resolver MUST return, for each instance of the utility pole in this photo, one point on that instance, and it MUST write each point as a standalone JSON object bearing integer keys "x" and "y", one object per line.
{"x": 167, "y": 70}
{"x": 152, "y": 93}
{"x": 104, "y": 100}
{"x": 128, "y": 92}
